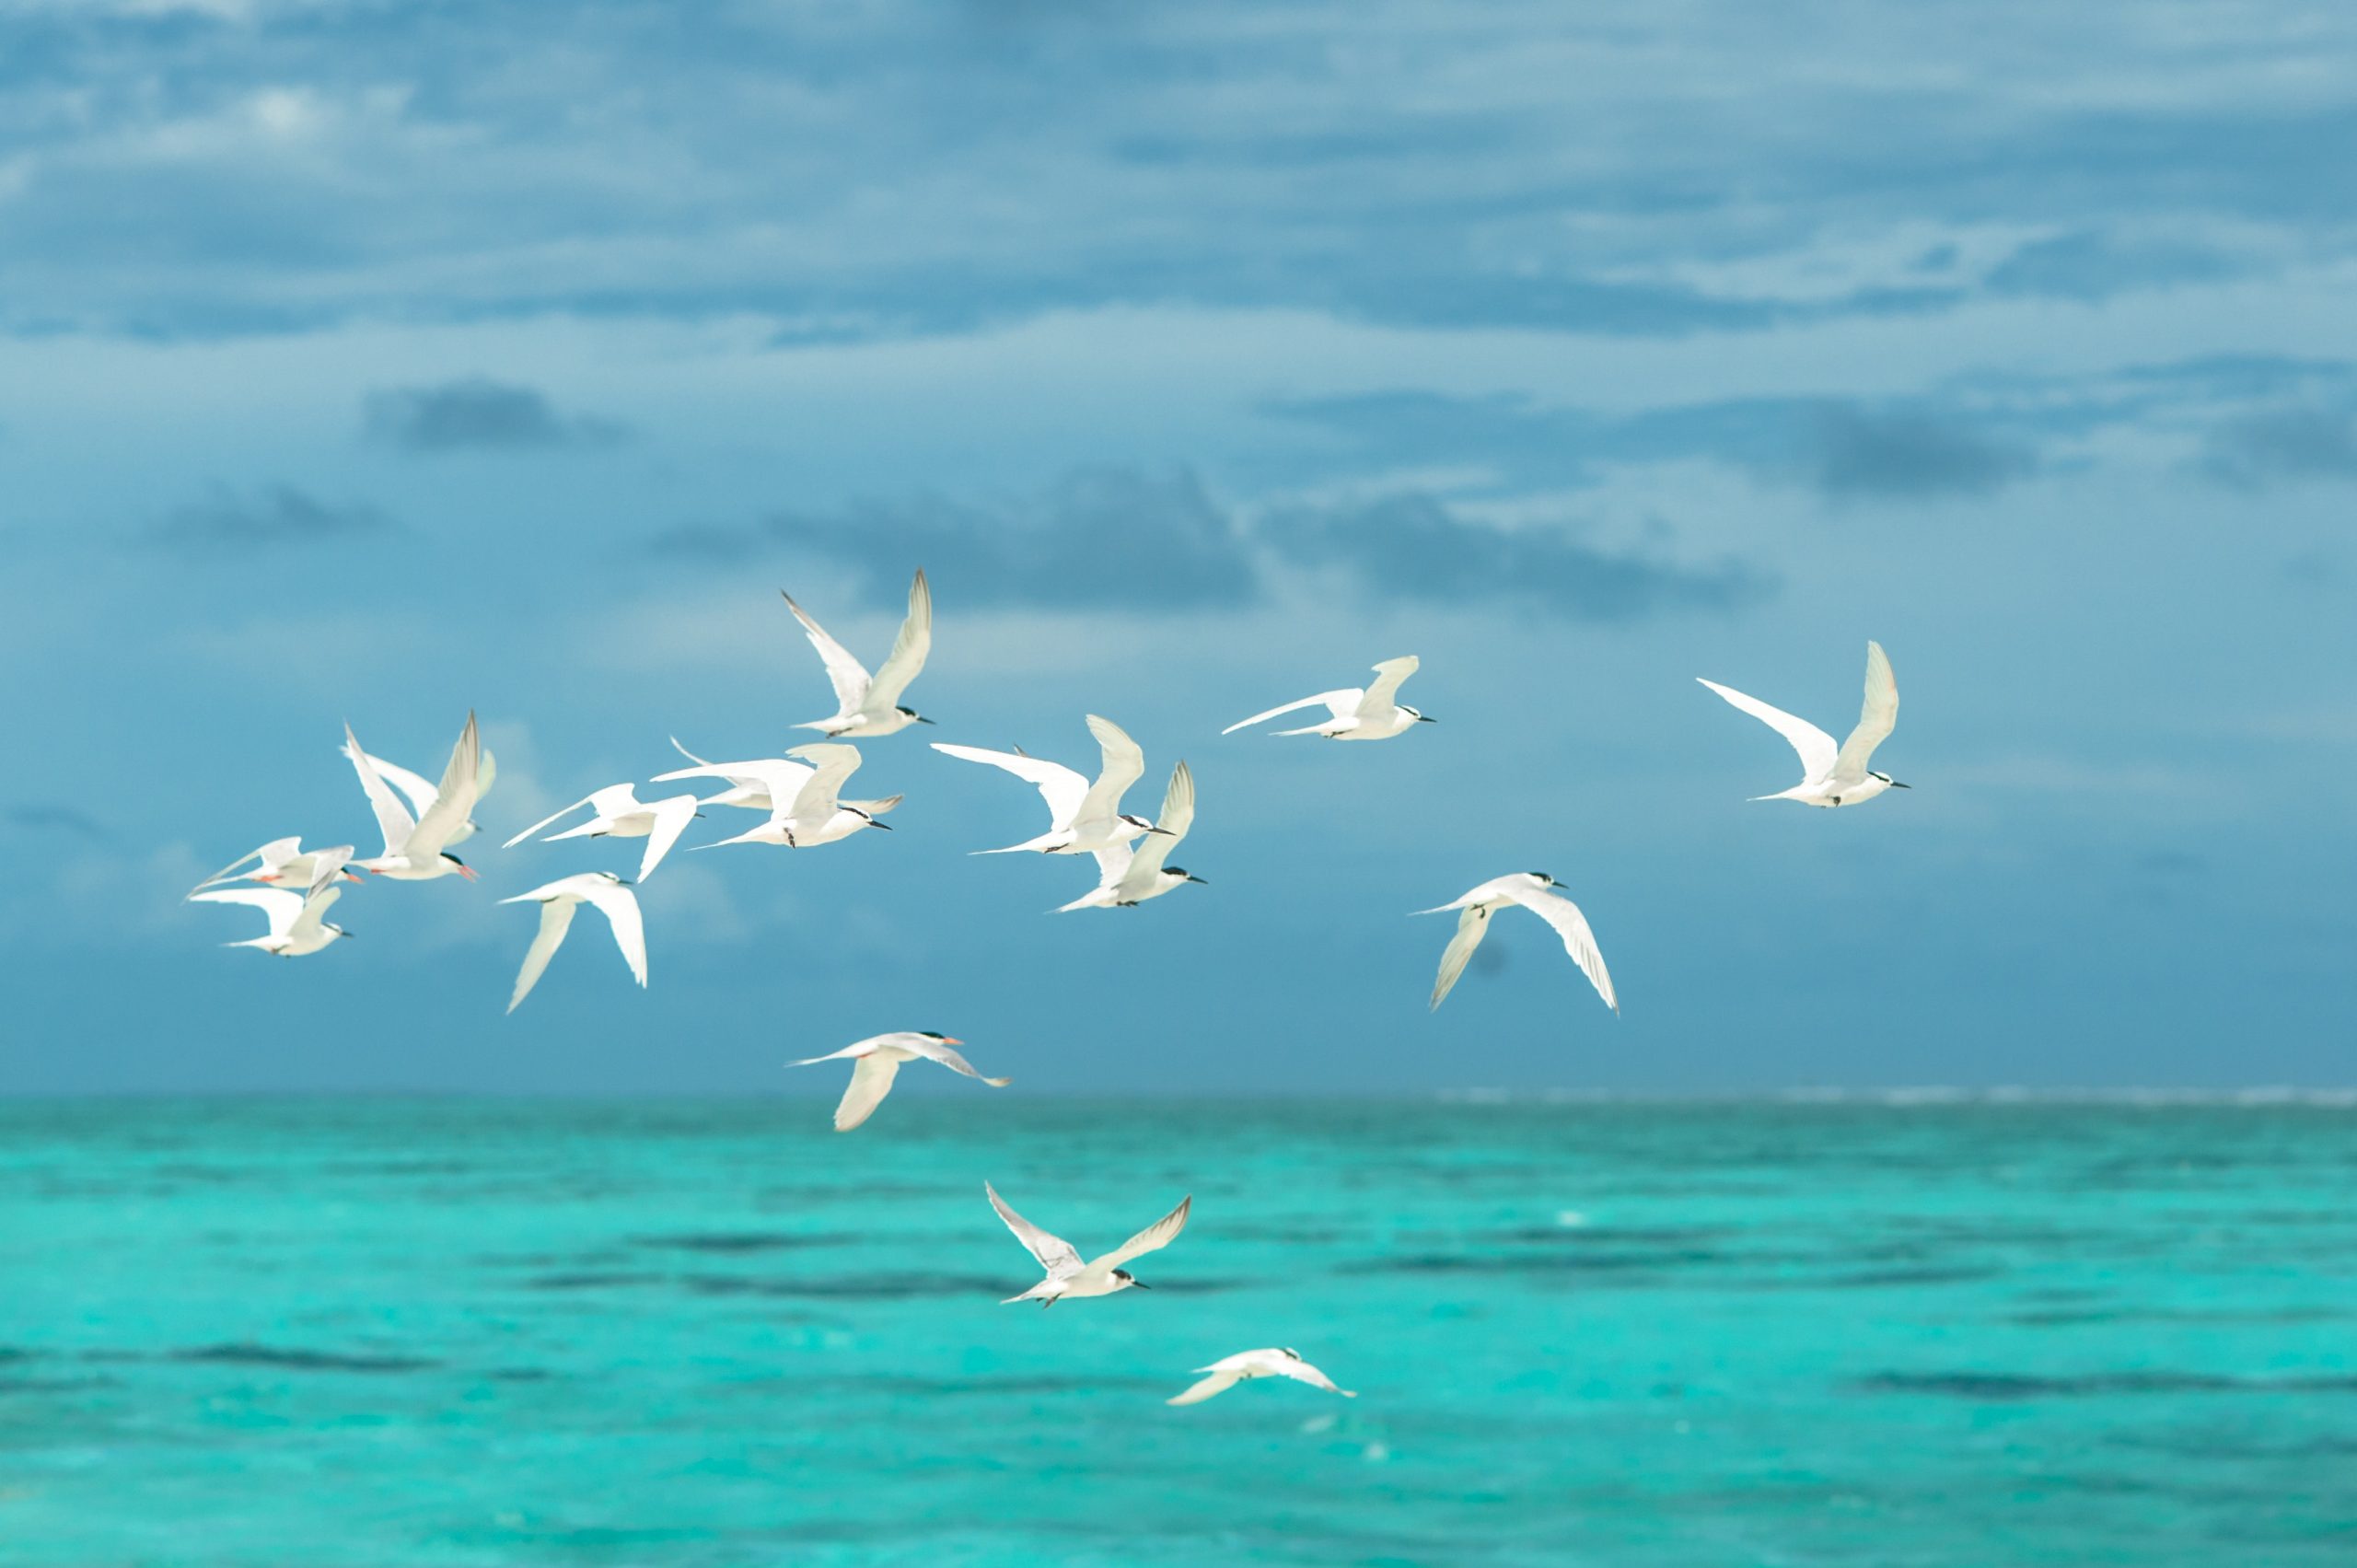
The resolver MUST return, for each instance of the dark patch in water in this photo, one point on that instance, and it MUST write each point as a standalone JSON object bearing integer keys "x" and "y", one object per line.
{"x": 740, "y": 1241}
{"x": 301, "y": 1360}
{"x": 1997, "y": 1386}
{"x": 590, "y": 1280}
{"x": 845, "y": 1287}
{"x": 54, "y": 1385}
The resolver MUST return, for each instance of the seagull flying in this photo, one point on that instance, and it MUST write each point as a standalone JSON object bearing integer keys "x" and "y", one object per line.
{"x": 415, "y": 848}
{"x": 422, "y": 794}
{"x": 1531, "y": 890}
{"x": 296, "y": 928}
{"x": 616, "y": 812}
{"x": 280, "y": 863}
{"x": 876, "y": 1062}
{"x": 812, "y": 815}
{"x": 1067, "y": 1275}
{"x": 1356, "y": 715}
{"x": 869, "y": 705}
{"x": 558, "y": 901}
{"x": 1834, "y": 775}
{"x": 1126, "y": 876}
{"x": 1246, "y": 1365}
{"x": 1083, "y": 818}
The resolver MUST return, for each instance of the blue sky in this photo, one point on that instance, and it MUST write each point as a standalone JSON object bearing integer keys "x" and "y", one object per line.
{"x": 376, "y": 362}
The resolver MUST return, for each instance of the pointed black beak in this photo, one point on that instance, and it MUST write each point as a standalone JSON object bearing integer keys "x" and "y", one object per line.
{"x": 627, "y": 881}
{"x": 874, "y": 823}
{"x": 1426, "y": 718}
{"x": 1192, "y": 878}
{"x": 1139, "y": 1284}
{"x": 1164, "y": 831}
{"x": 921, "y": 719}
{"x": 1896, "y": 785}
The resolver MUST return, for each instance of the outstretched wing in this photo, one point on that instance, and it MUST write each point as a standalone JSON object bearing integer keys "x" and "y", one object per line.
{"x": 1471, "y": 926}
{"x": 832, "y": 763}
{"x": 1153, "y": 1238}
{"x": 619, "y": 906}
{"x": 1054, "y": 1253}
{"x": 1058, "y": 785}
{"x": 933, "y": 1050}
{"x": 307, "y": 915}
{"x": 455, "y": 801}
{"x": 1817, "y": 748}
{"x": 1342, "y": 704}
{"x": 278, "y": 852}
{"x": 1572, "y": 926}
{"x": 671, "y": 819}
{"x": 1197, "y": 1392}
{"x": 556, "y": 919}
{"x": 281, "y": 906}
{"x": 416, "y": 790}
{"x": 871, "y": 1080}
{"x": 778, "y": 777}
{"x": 546, "y": 820}
{"x": 1876, "y": 718}
{"x": 1123, "y": 765}
{"x": 909, "y": 649}
{"x": 1300, "y": 1371}
{"x": 849, "y": 675}
{"x": 393, "y": 820}
{"x": 1385, "y": 692}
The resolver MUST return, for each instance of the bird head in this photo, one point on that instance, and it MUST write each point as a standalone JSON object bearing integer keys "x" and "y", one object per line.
{"x": 1175, "y": 875}
{"x": 1125, "y": 1279}
{"x": 461, "y": 866}
{"x": 913, "y": 717}
{"x": 339, "y": 930}
{"x": 1420, "y": 717}
{"x": 1893, "y": 783}
{"x": 936, "y": 1034}
{"x": 1541, "y": 877}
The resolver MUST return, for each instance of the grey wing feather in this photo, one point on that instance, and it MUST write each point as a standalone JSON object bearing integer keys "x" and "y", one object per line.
{"x": 556, "y": 919}
{"x": 1471, "y": 926}
{"x": 1054, "y": 1253}
{"x": 1153, "y": 1238}
{"x": 1578, "y": 940}
{"x": 871, "y": 1080}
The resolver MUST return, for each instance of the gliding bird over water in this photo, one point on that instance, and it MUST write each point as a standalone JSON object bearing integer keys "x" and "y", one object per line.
{"x": 413, "y": 848}
{"x": 1125, "y": 877}
{"x": 559, "y": 901}
{"x": 1834, "y": 775}
{"x": 1083, "y": 817}
{"x": 876, "y": 1062}
{"x": 1531, "y": 890}
{"x": 1067, "y": 1275}
{"x": 1356, "y": 714}
{"x": 618, "y": 813}
{"x": 1246, "y": 1365}
{"x": 869, "y": 705}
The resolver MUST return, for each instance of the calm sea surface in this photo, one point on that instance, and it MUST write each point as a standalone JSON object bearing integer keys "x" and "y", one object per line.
{"x": 474, "y": 1333}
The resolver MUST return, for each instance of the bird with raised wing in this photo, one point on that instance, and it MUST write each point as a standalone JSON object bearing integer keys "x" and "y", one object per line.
{"x": 1533, "y": 891}
{"x": 559, "y": 901}
{"x": 1127, "y": 877}
{"x": 616, "y": 812}
{"x": 1083, "y": 818}
{"x": 868, "y": 704}
{"x": 876, "y": 1062}
{"x": 813, "y": 815}
{"x": 1373, "y": 713}
{"x": 415, "y": 848}
{"x": 282, "y": 863}
{"x": 296, "y": 929}
{"x": 1246, "y": 1365}
{"x": 1067, "y": 1275}
{"x": 422, "y": 794}
{"x": 1834, "y": 774}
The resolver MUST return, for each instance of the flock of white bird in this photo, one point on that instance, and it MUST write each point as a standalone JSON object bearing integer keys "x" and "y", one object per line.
{"x": 798, "y": 796}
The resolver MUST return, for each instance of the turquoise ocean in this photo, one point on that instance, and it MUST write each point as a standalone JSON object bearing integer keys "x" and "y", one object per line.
{"x": 482, "y": 1331}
